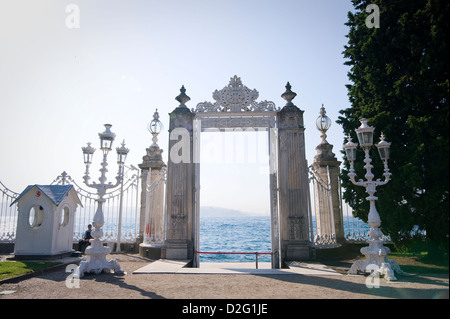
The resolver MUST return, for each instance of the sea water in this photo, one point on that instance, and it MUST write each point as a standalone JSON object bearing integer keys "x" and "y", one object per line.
{"x": 243, "y": 234}
{"x": 247, "y": 234}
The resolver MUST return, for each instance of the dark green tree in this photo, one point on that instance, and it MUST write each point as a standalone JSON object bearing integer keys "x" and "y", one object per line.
{"x": 399, "y": 80}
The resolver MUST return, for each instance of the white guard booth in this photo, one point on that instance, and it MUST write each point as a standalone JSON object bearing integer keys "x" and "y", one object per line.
{"x": 45, "y": 222}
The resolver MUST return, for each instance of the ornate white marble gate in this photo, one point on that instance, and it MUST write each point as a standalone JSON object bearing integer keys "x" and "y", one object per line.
{"x": 236, "y": 107}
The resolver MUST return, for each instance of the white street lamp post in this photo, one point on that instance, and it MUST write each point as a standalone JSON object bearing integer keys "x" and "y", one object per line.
{"x": 376, "y": 253}
{"x": 96, "y": 252}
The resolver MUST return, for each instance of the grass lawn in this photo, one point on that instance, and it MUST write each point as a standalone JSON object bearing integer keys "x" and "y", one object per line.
{"x": 419, "y": 263}
{"x": 10, "y": 269}
{"x": 341, "y": 260}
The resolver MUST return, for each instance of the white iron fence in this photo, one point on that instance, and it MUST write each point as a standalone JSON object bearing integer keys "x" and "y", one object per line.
{"x": 323, "y": 232}
{"x": 8, "y": 214}
{"x": 121, "y": 209}
{"x": 122, "y": 212}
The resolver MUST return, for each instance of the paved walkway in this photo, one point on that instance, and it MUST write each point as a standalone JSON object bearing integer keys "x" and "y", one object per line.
{"x": 165, "y": 266}
{"x": 169, "y": 280}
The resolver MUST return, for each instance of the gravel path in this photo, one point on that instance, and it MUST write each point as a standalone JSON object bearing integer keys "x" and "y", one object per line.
{"x": 52, "y": 285}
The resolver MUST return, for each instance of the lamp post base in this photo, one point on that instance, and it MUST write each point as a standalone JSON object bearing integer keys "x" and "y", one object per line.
{"x": 96, "y": 260}
{"x": 376, "y": 261}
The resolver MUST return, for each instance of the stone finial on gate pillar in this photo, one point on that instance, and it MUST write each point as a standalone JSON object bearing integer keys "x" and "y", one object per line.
{"x": 182, "y": 97}
{"x": 181, "y": 117}
{"x": 288, "y": 95}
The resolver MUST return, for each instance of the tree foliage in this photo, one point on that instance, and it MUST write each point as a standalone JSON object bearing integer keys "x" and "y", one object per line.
{"x": 400, "y": 81}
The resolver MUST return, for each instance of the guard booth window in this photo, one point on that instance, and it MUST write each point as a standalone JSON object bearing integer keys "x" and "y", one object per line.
{"x": 36, "y": 216}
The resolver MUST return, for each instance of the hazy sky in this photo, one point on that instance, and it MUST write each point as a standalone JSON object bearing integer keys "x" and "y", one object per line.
{"x": 59, "y": 85}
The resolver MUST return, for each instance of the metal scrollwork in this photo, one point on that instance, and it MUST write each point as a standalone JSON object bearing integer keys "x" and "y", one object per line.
{"x": 235, "y": 98}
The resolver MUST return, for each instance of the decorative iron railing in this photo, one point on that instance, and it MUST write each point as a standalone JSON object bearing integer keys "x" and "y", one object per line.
{"x": 323, "y": 229}
{"x": 8, "y": 214}
{"x": 121, "y": 208}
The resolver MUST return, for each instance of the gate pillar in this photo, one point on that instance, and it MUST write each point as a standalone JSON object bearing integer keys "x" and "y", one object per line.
{"x": 151, "y": 230}
{"x": 327, "y": 167}
{"x": 293, "y": 182}
{"x": 180, "y": 184}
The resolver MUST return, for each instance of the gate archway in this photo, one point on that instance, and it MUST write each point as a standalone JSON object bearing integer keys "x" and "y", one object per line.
{"x": 236, "y": 107}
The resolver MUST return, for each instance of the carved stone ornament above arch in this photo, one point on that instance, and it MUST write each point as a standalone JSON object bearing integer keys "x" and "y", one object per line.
{"x": 235, "y": 98}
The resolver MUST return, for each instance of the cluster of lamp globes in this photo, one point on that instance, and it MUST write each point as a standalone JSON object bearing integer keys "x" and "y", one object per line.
{"x": 106, "y": 141}
{"x": 365, "y": 138}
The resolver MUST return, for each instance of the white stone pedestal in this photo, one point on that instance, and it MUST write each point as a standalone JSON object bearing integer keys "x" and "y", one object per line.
{"x": 376, "y": 261}
{"x": 376, "y": 253}
{"x": 96, "y": 262}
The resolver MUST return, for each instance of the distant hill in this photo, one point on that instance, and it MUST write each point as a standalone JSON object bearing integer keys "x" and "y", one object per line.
{"x": 210, "y": 211}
